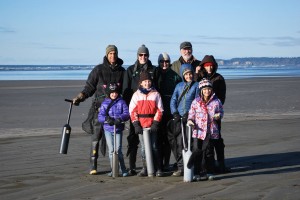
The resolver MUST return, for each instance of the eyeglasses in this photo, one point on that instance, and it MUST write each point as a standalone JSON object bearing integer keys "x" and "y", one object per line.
{"x": 164, "y": 61}
{"x": 141, "y": 55}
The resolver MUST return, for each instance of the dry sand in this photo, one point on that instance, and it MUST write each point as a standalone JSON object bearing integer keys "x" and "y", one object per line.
{"x": 260, "y": 128}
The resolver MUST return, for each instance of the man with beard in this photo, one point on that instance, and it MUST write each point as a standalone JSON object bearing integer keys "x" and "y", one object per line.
{"x": 186, "y": 51}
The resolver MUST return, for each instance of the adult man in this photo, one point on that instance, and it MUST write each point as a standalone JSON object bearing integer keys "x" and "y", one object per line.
{"x": 186, "y": 52}
{"x": 130, "y": 85}
{"x": 110, "y": 70}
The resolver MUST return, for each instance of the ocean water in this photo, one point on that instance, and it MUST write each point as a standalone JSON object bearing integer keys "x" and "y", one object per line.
{"x": 81, "y": 72}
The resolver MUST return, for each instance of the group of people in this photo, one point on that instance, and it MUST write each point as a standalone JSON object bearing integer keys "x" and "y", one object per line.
{"x": 186, "y": 92}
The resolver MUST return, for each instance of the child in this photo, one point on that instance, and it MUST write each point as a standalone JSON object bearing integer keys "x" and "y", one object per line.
{"x": 203, "y": 115}
{"x": 146, "y": 111}
{"x": 114, "y": 111}
{"x": 185, "y": 92}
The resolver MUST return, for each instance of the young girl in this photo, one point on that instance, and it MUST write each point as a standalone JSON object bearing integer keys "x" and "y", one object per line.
{"x": 146, "y": 111}
{"x": 114, "y": 111}
{"x": 203, "y": 115}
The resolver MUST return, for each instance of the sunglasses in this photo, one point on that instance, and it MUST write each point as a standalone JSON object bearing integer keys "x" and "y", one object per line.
{"x": 145, "y": 55}
{"x": 164, "y": 61}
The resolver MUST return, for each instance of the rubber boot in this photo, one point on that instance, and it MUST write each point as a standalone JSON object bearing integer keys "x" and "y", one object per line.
{"x": 94, "y": 157}
{"x": 143, "y": 172}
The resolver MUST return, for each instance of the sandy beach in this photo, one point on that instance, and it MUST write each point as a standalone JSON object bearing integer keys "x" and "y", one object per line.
{"x": 260, "y": 129}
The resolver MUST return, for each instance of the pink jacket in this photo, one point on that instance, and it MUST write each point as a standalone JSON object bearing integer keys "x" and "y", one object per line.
{"x": 202, "y": 114}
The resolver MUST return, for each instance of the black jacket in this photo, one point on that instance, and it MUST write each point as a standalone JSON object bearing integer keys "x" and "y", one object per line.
{"x": 132, "y": 77}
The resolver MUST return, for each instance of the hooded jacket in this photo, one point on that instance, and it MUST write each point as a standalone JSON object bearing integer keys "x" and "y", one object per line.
{"x": 218, "y": 81}
{"x": 100, "y": 76}
{"x": 202, "y": 114}
{"x": 118, "y": 110}
{"x": 183, "y": 106}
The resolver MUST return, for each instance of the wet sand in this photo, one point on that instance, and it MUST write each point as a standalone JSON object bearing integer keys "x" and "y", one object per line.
{"x": 260, "y": 129}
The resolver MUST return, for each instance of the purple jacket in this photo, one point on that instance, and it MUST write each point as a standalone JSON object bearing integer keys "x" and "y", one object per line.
{"x": 119, "y": 110}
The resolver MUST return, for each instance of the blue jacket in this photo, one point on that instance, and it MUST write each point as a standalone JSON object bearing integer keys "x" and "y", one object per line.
{"x": 119, "y": 110}
{"x": 184, "y": 105}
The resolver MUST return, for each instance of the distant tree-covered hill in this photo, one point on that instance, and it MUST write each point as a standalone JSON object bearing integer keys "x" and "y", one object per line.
{"x": 257, "y": 61}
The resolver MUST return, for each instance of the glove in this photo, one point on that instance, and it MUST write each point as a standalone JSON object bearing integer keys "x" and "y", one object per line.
{"x": 176, "y": 117}
{"x": 190, "y": 123}
{"x": 118, "y": 122}
{"x": 154, "y": 127}
{"x": 137, "y": 127}
{"x": 79, "y": 98}
{"x": 217, "y": 116}
{"x": 184, "y": 118}
{"x": 109, "y": 120}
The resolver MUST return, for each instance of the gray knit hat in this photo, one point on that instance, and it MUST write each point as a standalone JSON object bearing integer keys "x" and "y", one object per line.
{"x": 143, "y": 50}
{"x": 110, "y": 48}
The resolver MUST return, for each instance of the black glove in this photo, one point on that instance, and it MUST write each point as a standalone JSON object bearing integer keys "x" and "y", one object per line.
{"x": 109, "y": 120}
{"x": 137, "y": 127}
{"x": 154, "y": 127}
{"x": 176, "y": 117}
{"x": 118, "y": 122}
{"x": 185, "y": 117}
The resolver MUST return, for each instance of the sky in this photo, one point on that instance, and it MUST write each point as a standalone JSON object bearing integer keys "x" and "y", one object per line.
{"x": 76, "y": 32}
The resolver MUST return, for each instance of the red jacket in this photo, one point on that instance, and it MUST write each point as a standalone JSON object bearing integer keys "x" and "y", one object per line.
{"x": 146, "y": 107}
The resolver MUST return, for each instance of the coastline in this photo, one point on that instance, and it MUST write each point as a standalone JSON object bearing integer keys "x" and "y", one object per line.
{"x": 260, "y": 129}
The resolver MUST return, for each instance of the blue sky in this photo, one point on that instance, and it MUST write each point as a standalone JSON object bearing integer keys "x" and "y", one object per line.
{"x": 78, "y": 31}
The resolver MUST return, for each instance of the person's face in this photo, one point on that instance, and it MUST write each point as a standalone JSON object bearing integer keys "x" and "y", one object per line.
{"x": 206, "y": 92}
{"x": 209, "y": 68}
{"x": 113, "y": 95}
{"x": 146, "y": 84}
{"x": 143, "y": 58}
{"x": 112, "y": 57}
{"x": 164, "y": 64}
{"x": 186, "y": 53}
{"x": 188, "y": 77}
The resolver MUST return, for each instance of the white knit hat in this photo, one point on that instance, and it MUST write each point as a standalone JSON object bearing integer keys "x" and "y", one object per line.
{"x": 163, "y": 56}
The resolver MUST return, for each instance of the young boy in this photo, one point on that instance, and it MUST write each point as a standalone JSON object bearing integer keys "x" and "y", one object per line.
{"x": 185, "y": 92}
{"x": 114, "y": 111}
{"x": 145, "y": 110}
{"x": 205, "y": 110}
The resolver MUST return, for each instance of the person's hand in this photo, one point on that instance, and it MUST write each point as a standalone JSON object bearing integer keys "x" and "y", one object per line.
{"x": 154, "y": 127}
{"x": 110, "y": 120}
{"x": 118, "y": 122}
{"x": 190, "y": 123}
{"x": 198, "y": 68}
{"x": 176, "y": 117}
{"x": 137, "y": 127}
{"x": 79, "y": 98}
{"x": 217, "y": 116}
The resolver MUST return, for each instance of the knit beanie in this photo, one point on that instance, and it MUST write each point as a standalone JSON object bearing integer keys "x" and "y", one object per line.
{"x": 204, "y": 83}
{"x": 143, "y": 50}
{"x": 110, "y": 48}
{"x": 163, "y": 56}
{"x": 145, "y": 76}
{"x": 112, "y": 87}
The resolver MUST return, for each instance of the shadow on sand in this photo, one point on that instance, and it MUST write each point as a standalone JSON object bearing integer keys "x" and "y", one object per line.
{"x": 263, "y": 164}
